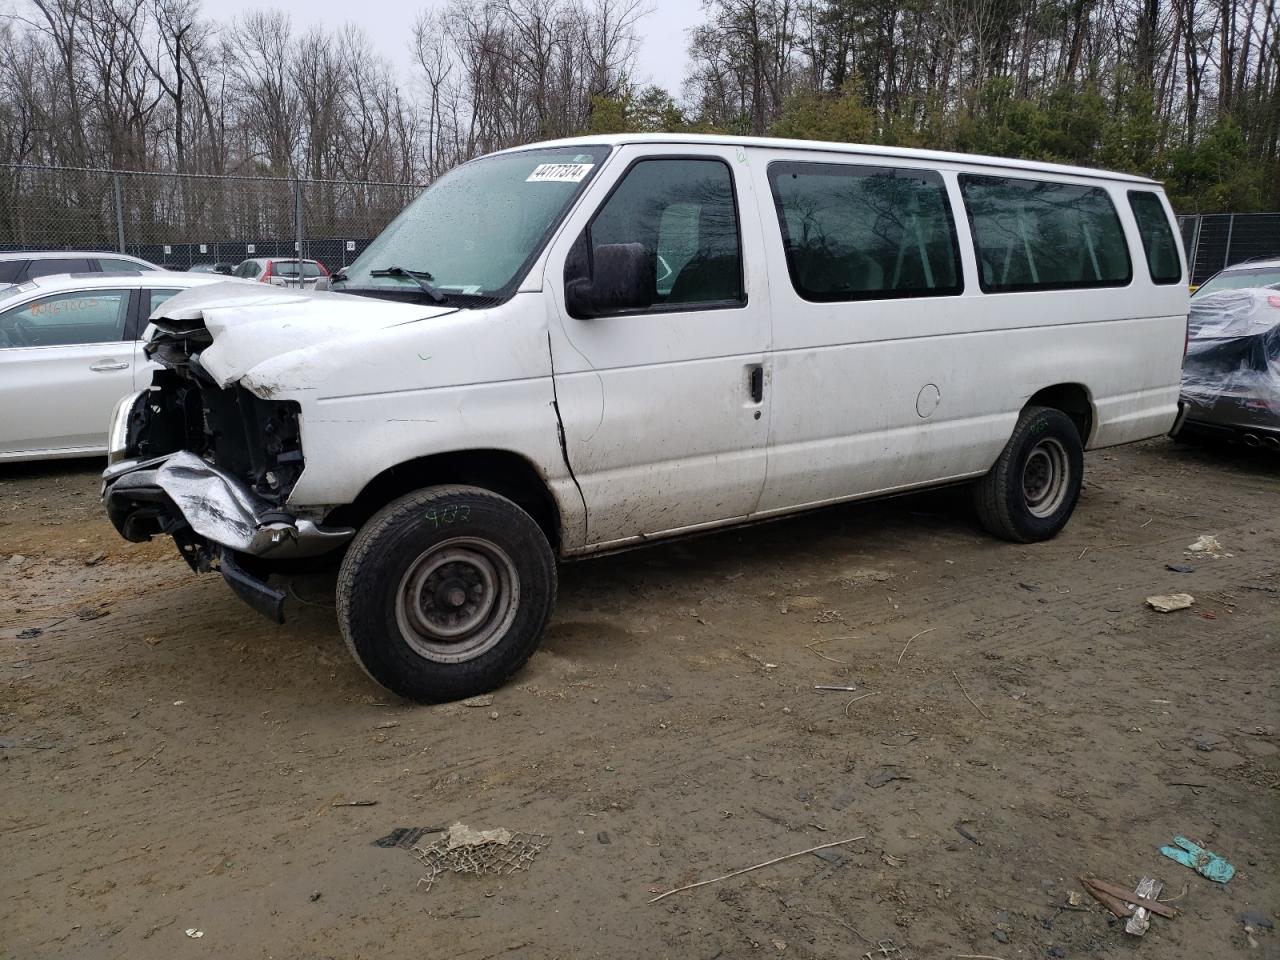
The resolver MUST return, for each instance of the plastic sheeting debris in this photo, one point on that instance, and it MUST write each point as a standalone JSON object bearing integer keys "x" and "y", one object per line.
{"x": 1232, "y": 371}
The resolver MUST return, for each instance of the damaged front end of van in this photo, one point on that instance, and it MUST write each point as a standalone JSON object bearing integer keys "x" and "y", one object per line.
{"x": 210, "y": 453}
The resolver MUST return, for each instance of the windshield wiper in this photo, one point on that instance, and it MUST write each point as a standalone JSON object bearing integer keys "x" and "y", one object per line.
{"x": 421, "y": 277}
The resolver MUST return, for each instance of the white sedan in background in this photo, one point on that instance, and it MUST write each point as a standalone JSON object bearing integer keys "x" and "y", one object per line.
{"x": 69, "y": 351}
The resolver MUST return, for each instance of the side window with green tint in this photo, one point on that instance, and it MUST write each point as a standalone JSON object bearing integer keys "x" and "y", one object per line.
{"x": 855, "y": 232}
{"x": 158, "y": 297}
{"x": 1044, "y": 235}
{"x": 684, "y": 213}
{"x": 1157, "y": 235}
{"x": 66, "y": 319}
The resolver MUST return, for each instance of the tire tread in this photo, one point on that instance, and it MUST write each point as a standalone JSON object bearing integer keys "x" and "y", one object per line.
{"x": 360, "y": 556}
{"x": 991, "y": 494}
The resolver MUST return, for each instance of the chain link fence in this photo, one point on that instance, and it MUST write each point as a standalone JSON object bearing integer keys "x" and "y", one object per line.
{"x": 177, "y": 220}
{"x": 1217, "y": 240}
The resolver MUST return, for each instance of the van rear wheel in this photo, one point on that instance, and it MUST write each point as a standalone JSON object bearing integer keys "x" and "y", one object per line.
{"x": 1031, "y": 492}
{"x": 445, "y": 593}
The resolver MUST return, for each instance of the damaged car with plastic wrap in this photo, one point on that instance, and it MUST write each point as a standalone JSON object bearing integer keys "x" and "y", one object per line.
{"x": 1231, "y": 377}
{"x": 587, "y": 345}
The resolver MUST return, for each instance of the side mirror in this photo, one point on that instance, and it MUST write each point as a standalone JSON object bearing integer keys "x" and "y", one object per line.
{"x": 622, "y": 277}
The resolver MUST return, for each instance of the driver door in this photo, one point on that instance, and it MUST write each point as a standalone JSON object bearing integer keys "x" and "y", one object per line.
{"x": 64, "y": 363}
{"x": 665, "y": 409}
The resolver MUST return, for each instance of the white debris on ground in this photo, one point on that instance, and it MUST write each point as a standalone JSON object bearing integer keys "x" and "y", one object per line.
{"x": 465, "y": 850}
{"x": 1170, "y": 602}
{"x": 1207, "y": 545}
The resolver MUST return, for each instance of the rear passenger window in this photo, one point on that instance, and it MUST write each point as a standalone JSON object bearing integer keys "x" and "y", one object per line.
{"x": 108, "y": 265}
{"x": 1157, "y": 236}
{"x": 1044, "y": 235}
{"x": 858, "y": 232}
{"x": 158, "y": 297}
{"x": 684, "y": 213}
{"x": 10, "y": 270}
{"x": 48, "y": 268}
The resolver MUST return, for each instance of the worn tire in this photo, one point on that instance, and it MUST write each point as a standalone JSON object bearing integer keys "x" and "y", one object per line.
{"x": 1012, "y": 500}
{"x": 423, "y": 567}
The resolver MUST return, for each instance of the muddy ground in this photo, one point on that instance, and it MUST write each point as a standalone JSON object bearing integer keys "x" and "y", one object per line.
{"x": 170, "y": 761}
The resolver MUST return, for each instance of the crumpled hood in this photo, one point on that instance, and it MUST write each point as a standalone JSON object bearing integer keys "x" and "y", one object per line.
{"x": 254, "y": 322}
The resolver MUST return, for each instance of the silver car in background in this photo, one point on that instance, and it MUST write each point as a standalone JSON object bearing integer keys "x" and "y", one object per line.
{"x": 69, "y": 351}
{"x": 282, "y": 271}
{"x": 19, "y": 265}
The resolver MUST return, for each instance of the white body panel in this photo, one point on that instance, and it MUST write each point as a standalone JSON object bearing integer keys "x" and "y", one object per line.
{"x": 56, "y": 400}
{"x": 847, "y": 377}
{"x": 659, "y": 423}
{"x": 466, "y": 380}
{"x": 660, "y": 429}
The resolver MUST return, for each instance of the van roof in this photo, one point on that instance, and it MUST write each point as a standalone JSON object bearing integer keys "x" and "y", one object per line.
{"x": 856, "y": 149}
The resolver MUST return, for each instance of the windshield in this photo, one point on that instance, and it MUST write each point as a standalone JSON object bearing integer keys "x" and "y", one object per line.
{"x": 1240, "y": 279}
{"x": 475, "y": 230}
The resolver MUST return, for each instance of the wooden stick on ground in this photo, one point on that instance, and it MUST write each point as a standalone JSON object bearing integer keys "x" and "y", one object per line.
{"x": 142, "y": 763}
{"x": 767, "y": 863}
{"x": 904, "y": 649}
{"x": 1128, "y": 896}
{"x": 814, "y": 647}
{"x": 969, "y": 698}
{"x": 1120, "y": 909}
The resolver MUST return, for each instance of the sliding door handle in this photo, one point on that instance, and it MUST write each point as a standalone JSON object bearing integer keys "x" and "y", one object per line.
{"x": 755, "y": 382}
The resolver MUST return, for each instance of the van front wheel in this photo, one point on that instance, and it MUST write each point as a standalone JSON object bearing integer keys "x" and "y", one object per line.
{"x": 445, "y": 593}
{"x": 1032, "y": 490}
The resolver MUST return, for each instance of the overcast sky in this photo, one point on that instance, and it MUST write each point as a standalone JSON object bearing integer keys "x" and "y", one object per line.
{"x": 389, "y": 25}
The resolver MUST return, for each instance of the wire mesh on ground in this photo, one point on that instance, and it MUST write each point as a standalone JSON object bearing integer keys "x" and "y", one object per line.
{"x": 478, "y": 852}
{"x": 178, "y": 220}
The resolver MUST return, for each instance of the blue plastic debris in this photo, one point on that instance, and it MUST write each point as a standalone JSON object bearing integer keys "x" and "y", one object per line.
{"x": 1202, "y": 861}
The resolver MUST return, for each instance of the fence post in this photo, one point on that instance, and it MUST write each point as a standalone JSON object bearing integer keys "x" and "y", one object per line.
{"x": 297, "y": 222}
{"x": 1195, "y": 247}
{"x": 1226, "y": 254}
{"x": 119, "y": 210}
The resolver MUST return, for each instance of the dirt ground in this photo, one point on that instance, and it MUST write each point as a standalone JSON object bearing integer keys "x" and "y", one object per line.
{"x": 171, "y": 761}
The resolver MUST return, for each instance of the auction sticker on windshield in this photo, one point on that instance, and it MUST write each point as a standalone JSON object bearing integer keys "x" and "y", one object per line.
{"x": 559, "y": 173}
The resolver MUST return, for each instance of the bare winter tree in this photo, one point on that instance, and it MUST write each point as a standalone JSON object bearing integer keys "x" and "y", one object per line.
{"x": 163, "y": 85}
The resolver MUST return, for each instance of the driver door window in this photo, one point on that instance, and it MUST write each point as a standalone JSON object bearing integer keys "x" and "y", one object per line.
{"x": 66, "y": 319}
{"x": 685, "y": 215}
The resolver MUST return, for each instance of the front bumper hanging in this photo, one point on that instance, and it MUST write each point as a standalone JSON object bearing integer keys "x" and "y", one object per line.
{"x": 215, "y": 520}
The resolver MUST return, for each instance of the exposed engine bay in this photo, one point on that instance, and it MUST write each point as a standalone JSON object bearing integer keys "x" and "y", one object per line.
{"x": 250, "y": 438}
{"x": 212, "y": 467}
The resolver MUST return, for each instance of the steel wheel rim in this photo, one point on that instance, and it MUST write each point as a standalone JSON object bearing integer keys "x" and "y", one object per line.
{"x": 1045, "y": 475}
{"x": 457, "y": 599}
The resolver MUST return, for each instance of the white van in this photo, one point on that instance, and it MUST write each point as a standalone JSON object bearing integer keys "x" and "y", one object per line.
{"x": 584, "y": 345}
